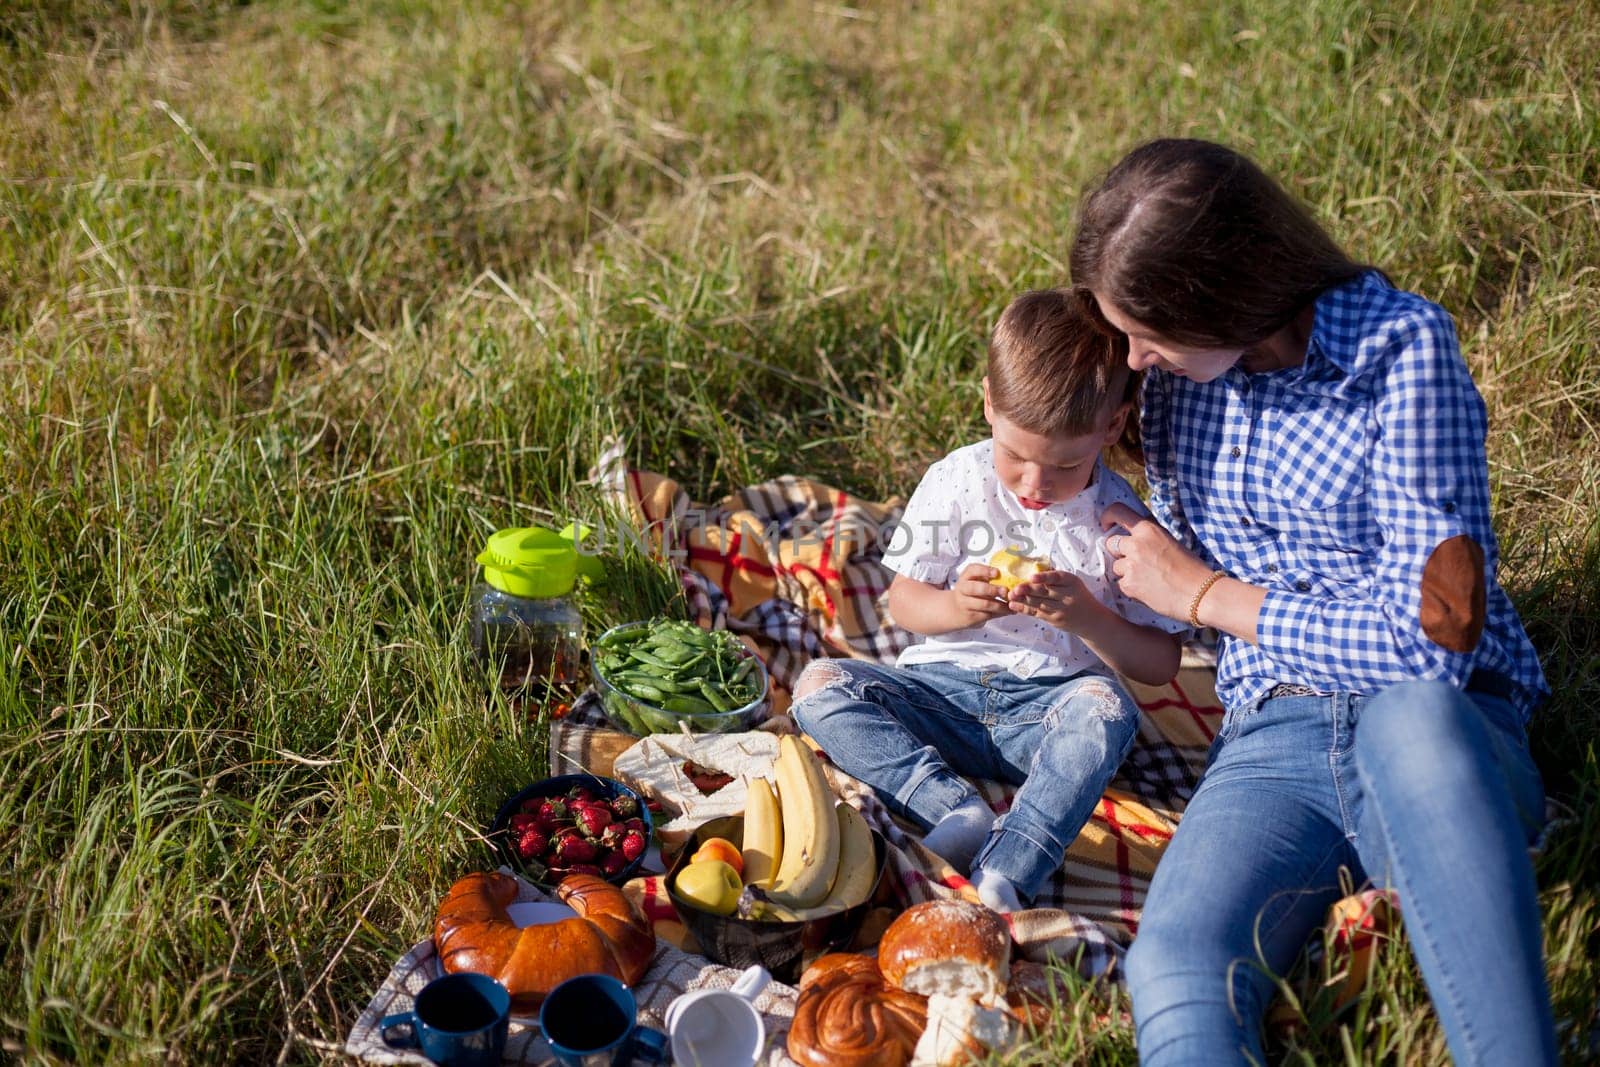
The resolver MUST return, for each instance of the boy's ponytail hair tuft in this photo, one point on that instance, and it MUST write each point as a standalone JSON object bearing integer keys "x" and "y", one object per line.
{"x": 1194, "y": 241}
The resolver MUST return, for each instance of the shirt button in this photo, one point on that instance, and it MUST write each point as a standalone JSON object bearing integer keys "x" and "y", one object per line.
{"x": 1303, "y": 586}
{"x": 1237, "y": 452}
{"x": 1449, "y": 507}
{"x": 1272, "y": 568}
{"x": 1245, "y": 521}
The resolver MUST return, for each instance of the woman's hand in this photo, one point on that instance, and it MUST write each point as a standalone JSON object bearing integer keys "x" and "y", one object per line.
{"x": 1151, "y": 566}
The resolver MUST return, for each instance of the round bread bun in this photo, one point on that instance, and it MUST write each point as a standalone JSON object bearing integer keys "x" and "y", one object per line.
{"x": 948, "y": 948}
{"x": 848, "y": 1016}
{"x": 474, "y": 932}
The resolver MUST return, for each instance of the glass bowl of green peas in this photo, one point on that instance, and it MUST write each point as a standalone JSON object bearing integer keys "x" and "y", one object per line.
{"x": 666, "y": 675}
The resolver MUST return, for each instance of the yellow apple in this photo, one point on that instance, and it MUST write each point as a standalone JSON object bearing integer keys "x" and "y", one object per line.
{"x": 710, "y": 885}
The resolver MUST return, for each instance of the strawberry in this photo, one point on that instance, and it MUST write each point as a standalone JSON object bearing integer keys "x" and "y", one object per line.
{"x": 553, "y": 810}
{"x": 532, "y": 843}
{"x": 611, "y": 836}
{"x": 581, "y": 793}
{"x": 613, "y": 863}
{"x": 632, "y": 845}
{"x": 636, "y": 824}
{"x": 592, "y": 818}
{"x": 521, "y": 821}
{"x": 585, "y": 868}
{"x": 572, "y": 847}
{"x": 624, "y": 807}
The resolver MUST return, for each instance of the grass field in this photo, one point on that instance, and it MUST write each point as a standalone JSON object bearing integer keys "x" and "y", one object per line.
{"x": 299, "y": 299}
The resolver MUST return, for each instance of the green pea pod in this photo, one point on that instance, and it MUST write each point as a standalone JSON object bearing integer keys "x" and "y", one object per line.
{"x": 655, "y": 681}
{"x": 674, "y": 654}
{"x": 716, "y": 698}
{"x": 694, "y": 637}
{"x": 683, "y": 704}
{"x": 641, "y": 656}
{"x": 651, "y": 693}
{"x": 746, "y": 667}
{"x": 620, "y": 638}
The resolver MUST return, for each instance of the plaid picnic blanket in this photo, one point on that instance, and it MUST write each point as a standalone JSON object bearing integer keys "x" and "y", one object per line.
{"x": 796, "y": 568}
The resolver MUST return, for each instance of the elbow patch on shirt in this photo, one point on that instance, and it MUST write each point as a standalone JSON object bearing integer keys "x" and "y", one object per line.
{"x": 1454, "y": 597}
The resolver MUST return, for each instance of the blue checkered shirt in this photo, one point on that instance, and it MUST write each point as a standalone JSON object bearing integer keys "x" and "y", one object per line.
{"x": 1329, "y": 484}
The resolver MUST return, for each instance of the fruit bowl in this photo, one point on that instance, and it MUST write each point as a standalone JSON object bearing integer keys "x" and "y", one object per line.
{"x": 636, "y": 714}
{"x": 511, "y": 823}
{"x": 780, "y": 947}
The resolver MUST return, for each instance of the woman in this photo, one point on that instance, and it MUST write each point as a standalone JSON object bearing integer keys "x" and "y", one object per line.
{"x": 1315, "y": 451}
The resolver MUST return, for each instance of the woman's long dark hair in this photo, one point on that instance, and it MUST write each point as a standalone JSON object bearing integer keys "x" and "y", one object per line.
{"x": 1195, "y": 242}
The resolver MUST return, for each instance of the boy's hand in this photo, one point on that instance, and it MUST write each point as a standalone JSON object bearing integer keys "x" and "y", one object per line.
{"x": 974, "y": 600}
{"x": 1059, "y": 598}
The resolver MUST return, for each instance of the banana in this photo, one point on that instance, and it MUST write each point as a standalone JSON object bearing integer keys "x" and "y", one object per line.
{"x": 763, "y": 834}
{"x": 853, "y": 883}
{"x": 851, "y": 886}
{"x": 810, "y": 828}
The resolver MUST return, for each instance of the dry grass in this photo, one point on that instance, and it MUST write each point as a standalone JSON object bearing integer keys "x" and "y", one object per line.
{"x": 297, "y": 301}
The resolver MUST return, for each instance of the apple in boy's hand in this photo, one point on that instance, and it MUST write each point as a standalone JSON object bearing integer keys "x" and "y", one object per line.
{"x": 711, "y": 885}
{"x": 720, "y": 848}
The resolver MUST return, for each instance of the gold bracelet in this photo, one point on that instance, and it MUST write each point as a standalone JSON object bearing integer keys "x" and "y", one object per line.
{"x": 1205, "y": 587}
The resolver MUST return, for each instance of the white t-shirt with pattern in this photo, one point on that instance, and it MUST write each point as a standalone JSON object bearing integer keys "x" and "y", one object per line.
{"x": 961, "y": 514}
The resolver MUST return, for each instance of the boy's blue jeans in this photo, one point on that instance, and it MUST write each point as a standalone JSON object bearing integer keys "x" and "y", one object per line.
{"x": 912, "y": 732}
{"x": 1422, "y": 788}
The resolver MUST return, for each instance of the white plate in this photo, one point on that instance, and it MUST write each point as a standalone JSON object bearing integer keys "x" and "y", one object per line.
{"x": 538, "y": 912}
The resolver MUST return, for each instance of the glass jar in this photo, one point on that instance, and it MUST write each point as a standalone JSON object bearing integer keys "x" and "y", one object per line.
{"x": 525, "y": 626}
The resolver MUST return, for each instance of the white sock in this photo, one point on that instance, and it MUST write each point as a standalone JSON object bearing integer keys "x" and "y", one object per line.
{"x": 996, "y": 890}
{"x": 958, "y": 836}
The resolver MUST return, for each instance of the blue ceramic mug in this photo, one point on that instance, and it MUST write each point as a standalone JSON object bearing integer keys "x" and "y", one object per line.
{"x": 593, "y": 1021}
{"x": 459, "y": 1020}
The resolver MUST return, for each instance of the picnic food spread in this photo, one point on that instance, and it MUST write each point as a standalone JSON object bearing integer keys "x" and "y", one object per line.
{"x": 474, "y": 932}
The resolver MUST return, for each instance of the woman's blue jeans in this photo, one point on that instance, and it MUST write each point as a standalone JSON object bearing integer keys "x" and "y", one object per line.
{"x": 913, "y": 732}
{"x": 1421, "y": 788}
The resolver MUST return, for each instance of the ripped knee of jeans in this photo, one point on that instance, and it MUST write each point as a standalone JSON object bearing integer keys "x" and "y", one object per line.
{"x": 1100, "y": 698}
{"x": 819, "y": 674}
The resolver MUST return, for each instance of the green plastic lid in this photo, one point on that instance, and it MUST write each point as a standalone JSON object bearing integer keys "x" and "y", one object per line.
{"x": 534, "y": 562}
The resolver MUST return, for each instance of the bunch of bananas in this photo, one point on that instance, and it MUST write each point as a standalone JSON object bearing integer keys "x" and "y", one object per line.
{"x": 805, "y": 855}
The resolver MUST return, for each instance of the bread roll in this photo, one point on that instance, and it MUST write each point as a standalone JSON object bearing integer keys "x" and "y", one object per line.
{"x": 947, "y": 948}
{"x": 961, "y": 1029}
{"x": 848, "y": 1016}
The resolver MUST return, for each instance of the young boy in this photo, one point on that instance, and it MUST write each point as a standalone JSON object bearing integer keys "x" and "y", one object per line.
{"x": 1017, "y": 687}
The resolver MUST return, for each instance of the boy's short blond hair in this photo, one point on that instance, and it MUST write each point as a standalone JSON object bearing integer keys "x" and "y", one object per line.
{"x": 1051, "y": 370}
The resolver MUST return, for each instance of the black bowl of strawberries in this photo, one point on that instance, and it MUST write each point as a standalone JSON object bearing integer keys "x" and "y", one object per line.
{"x": 573, "y": 824}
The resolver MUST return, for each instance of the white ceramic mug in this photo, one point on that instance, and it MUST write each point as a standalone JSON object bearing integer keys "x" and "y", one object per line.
{"x": 719, "y": 1027}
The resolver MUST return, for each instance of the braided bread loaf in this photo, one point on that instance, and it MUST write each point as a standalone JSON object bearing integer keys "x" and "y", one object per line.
{"x": 473, "y": 932}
